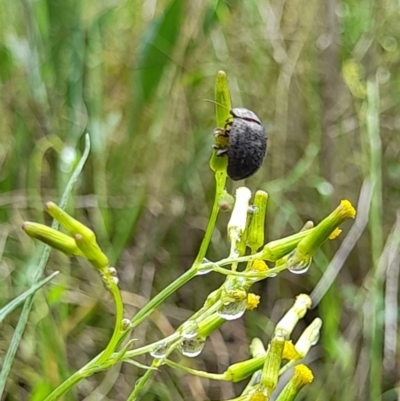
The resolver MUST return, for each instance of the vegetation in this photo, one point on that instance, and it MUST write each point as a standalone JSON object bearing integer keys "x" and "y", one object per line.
{"x": 324, "y": 80}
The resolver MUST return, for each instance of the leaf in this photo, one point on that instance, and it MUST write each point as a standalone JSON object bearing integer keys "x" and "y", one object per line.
{"x": 5, "y": 310}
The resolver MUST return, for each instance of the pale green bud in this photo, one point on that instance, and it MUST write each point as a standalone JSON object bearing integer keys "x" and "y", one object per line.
{"x": 237, "y": 223}
{"x": 54, "y": 238}
{"x": 255, "y": 232}
{"x": 270, "y": 373}
{"x": 293, "y": 315}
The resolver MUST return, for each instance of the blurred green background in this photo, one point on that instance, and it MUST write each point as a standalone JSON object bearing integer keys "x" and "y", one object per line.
{"x": 324, "y": 77}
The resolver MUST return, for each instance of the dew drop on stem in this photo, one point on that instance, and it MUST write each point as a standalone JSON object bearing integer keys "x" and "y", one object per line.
{"x": 190, "y": 329}
{"x": 192, "y": 347}
{"x": 159, "y": 351}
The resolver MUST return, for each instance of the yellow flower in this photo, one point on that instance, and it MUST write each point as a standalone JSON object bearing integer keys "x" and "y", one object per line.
{"x": 259, "y": 265}
{"x": 335, "y": 233}
{"x": 303, "y": 375}
{"x": 289, "y": 351}
{"x": 258, "y": 396}
{"x": 300, "y": 258}
{"x": 348, "y": 210}
{"x": 252, "y": 301}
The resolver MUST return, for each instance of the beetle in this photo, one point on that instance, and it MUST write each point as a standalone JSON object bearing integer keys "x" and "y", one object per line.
{"x": 246, "y": 143}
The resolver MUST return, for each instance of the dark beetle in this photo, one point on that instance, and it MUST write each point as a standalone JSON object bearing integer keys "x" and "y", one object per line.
{"x": 247, "y": 143}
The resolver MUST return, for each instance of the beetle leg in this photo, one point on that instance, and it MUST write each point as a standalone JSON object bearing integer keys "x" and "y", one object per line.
{"x": 220, "y": 151}
{"x": 228, "y": 125}
{"x": 220, "y": 132}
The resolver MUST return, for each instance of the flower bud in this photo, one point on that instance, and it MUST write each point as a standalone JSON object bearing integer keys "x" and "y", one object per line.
{"x": 84, "y": 237}
{"x": 255, "y": 235}
{"x": 54, "y": 238}
{"x": 222, "y": 107}
{"x": 293, "y": 315}
{"x": 91, "y": 251}
{"x": 309, "y": 337}
{"x": 242, "y": 370}
{"x": 257, "y": 347}
{"x": 237, "y": 223}
{"x": 302, "y": 376}
{"x": 327, "y": 227}
{"x": 69, "y": 223}
{"x": 277, "y": 249}
{"x": 270, "y": 373}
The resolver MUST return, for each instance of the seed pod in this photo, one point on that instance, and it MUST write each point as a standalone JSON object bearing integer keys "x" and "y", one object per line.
{"x": 247, "y": 143}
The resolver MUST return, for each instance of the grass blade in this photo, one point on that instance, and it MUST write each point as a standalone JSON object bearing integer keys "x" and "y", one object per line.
{"x": 5, "y": 310}
{"x": 9, "y": 358}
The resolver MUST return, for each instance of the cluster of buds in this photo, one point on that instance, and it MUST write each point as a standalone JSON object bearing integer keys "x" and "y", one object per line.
{"x": 295, "y": 253}
{"x": 81, "y": 241}
{"x": 283, "y": 354}
{"x": 266, "y": 366}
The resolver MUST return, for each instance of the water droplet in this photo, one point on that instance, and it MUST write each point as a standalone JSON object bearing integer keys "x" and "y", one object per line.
{"x": 252, "y": 209}
{"x": 125, "y": 324}
{"x": 68, "y": 155}
{"x": 297, "y": 265}
{"x": 235, "y": 253}
{"x": 204, "y": 269}
{"x": 190, "y": 329}
{"x": 234, "y": 304}
{"x": 192, "y": 347}
{"x": 159, "y": 351}
{"x": 112, "y": 271}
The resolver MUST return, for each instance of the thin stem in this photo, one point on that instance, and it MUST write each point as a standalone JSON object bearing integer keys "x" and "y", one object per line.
{"x": 200, "y": 373}
{"x": 163, "y": 295}
{"x": 141, "y": 382}
{"x": 119, "y": 314}
{"x": 220, "y": 180}
{"x": 227, "y": 272}
{"x": 150, "y": 347}
{"x": 75, "y": 378}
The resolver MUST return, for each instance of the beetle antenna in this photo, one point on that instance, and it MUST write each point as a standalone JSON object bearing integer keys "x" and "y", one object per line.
{"x": 213, "y": 101}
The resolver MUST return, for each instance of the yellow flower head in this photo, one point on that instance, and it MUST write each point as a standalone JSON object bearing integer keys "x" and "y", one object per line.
{"x": 335, "y": 233}
{"x": 258, "y": 396}
{"x": 303, "y": 374}
{"x": 348, "y": 209}
{"x": 289, "y": 351}
{"x": 259, "y": 265}
{"x": 252, "y": 301}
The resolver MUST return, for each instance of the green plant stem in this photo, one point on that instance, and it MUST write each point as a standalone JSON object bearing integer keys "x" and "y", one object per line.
{"x": 157, "y": 300}
{"x": 119, "y": 314}
{"x": 220, "y": 180}
{"x": 176, "y": 335}
{"x": 375, "y": 225}
{"x": 163, "y": 295}
{"x": 195, "y": 372}
{"x": 118, "y": 337}
{"x": 156, "y": 363}
{"x": 141, "y": 383}
{"x": 75, "y": 378}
